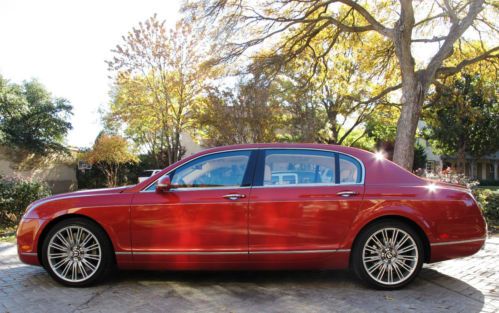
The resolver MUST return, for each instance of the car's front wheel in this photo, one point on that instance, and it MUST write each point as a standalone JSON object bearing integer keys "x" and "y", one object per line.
{"x": 388, "y": 254}
{"x": 76, "y": 252}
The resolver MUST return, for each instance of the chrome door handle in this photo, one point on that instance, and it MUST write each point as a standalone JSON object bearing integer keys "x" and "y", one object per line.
{"x": 234, "y": 196}
{"x": 347, "y": 193}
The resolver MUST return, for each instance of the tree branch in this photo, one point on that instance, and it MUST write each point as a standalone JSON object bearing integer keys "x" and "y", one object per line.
{"x": 449, "y": 71}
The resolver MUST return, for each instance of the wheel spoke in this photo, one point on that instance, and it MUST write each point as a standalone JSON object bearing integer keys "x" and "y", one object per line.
{"x": 393, "y": 240}
{"x": 92, "y": 257}
{"x": 375, "y": 267}
{"x": 384, "y": 233}
{"x": 377, "y": 242}
{"x": 407, "y": 249}
{"x": 371, "y": 250}
{"x": 87, "y": 239}
{"x": 67, "y": 268}
{"x": 82, "y": 270}
{"x": 58, "y": 255}
{"x": 397, "y": 271}
{"x": 381, "y": 272}
{"x": 70, "y": 236}
{"x": 88, "y": 264}
{"x": 92, "y": 247}
{"x": 402, "y": 241}
{"x": 390, "y": 273}
{"x": 60, "y": 263}
{"x": 372, "y": 258}
{"x": 58, "y": 246}
{"x": 407, "y": 257}
{"x": 78, "y": 235}
{"x": 403, "y": 265}
{"x": 62, "y": 240}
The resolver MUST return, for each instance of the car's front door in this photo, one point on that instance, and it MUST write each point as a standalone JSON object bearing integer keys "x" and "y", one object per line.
{"x": 202, "y": 219}
{"x": 302, "y": 204}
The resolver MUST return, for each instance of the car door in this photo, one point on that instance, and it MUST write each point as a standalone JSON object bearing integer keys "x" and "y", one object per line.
{"x": 202, "y": 218}
{"x": 302, "y": 204}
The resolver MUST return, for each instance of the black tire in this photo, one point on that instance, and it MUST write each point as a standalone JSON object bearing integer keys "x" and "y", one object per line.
{"x": 358, "y": 250}
{"x": 104, "y": 266}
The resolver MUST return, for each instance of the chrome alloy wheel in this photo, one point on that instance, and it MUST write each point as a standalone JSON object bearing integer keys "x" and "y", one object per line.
{"x": 74, "y": 254}
{"x": 390, "y": 256}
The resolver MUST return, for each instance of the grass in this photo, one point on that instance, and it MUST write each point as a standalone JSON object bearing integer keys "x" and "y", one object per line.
{"x": 7, "y": 234}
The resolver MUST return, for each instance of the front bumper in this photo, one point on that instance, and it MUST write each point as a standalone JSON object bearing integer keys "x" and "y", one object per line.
{"x": 27, "y": 239}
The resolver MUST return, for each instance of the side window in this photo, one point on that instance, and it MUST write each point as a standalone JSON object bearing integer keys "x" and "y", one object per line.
{"x": 350, "y": 170}
{"x": 218, "y": 170}
{"x": 292, "y": 167}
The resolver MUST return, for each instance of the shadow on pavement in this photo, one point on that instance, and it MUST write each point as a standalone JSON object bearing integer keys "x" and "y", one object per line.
{"x": 239, "y": 291}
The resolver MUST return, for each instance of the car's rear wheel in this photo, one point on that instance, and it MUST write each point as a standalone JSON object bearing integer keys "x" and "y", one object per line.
{"x": 388, "y": 254}
{"x": 76, "y": 252}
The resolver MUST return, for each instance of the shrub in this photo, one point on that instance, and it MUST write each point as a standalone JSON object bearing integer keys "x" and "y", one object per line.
{"x": 449, "y": 176}
{"x": 489, "y": 203}
{"x": 15, "y": 195}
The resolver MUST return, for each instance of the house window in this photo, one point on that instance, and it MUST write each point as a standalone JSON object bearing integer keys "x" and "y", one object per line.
{"x": 490, "y": 171}
{"x": 430, "y": 166}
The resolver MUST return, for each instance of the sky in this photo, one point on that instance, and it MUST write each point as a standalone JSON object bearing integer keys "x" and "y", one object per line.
{"x": 64, "y": 44}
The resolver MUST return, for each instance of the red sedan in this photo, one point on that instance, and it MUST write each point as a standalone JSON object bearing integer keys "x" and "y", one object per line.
{"x": 262, "y": 206}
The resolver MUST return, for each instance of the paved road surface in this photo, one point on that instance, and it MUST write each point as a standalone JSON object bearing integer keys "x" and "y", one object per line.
{"x": 464, "y": 285}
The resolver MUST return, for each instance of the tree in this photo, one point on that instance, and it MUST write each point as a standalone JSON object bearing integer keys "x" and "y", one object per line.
{"x": 249, "y": 114}
{"x": 401, "y": 27}
{"x": 339, "y": 89}
{"x": 463, "y": 118}
{"x": 31, "y": 119}
{"x": 108, "y": 154}
{"x": 158, "y": 82}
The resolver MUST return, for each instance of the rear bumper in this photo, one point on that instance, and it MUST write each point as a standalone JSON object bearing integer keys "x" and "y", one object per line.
{"x": 442, "y": 251}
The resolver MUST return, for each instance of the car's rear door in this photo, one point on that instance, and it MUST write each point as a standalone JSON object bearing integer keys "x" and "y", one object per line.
{"x": 302, "y": 204}
{"x": 202, "y": 219}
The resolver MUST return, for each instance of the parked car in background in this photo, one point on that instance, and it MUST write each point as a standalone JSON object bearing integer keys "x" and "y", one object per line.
{"x": 146, "y": 174}
{"x": 259, "y": 206}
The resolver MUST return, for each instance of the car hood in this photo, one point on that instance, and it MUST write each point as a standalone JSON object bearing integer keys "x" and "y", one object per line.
{"x": 86, "y": 192}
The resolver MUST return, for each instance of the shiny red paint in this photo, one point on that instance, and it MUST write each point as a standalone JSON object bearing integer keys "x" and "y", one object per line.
{"x": 270, "y": 227}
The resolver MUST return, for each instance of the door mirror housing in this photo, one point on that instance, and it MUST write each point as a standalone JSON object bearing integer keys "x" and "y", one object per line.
{"x": 164, "y": 184}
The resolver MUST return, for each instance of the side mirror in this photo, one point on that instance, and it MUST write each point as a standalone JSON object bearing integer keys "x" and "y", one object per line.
{"x": 164, "y": 184}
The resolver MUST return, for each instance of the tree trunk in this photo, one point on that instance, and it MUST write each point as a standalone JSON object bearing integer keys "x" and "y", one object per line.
{"x": 461, "y": 159}
{"x": 413, "y": 93}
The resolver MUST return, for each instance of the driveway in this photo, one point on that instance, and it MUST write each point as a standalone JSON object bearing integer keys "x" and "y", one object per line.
{"x": 464, "y": 285}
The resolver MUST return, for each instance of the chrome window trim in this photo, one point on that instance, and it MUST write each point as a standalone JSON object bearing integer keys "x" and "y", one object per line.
{"x": 362, "y": 180}
{"x": 199, "y": 188}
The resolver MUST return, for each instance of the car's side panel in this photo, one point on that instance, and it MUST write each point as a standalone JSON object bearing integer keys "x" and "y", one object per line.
{"x": 444, "y": 215}
{"x": 196, "y": 226}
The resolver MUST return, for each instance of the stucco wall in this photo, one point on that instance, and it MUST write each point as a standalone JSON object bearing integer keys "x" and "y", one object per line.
{"x": 59, "y": 172}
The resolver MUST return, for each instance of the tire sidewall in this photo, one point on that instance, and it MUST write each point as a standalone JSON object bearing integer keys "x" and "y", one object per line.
{"x": 106, "y": 251}
{"x": 357, "y": 262}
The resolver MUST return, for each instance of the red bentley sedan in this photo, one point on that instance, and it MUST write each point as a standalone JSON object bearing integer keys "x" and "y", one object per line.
{"x": 261, "y": 206}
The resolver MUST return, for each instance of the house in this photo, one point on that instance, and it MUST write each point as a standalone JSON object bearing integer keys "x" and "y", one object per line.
{"x": 483, "y": 168}
{"x": 58, "y": 171}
